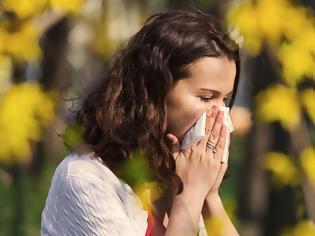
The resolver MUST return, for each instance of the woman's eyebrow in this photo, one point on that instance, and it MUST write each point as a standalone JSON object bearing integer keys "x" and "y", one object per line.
{"x": 214, "y": 91}
{"x": 209, "y": 90}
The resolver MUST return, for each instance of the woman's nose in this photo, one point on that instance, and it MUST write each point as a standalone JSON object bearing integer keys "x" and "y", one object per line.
{"x": 218, "y": 103}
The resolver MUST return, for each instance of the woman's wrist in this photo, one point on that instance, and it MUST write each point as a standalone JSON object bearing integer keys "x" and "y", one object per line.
{"x": 213, "y": 205}
{"x": 190, "y": 195}
{"x": 214, "y": 196}
{"x": 185, "y": 213}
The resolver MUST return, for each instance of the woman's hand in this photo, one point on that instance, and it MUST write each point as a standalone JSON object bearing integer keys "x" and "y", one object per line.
{"x": 201, "y": 171}
{"x": 214, "y": 191}
{"x": 198, "y": 167}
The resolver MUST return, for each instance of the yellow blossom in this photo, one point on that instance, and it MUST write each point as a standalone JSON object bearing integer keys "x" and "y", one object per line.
{"x": 72, "y": 7}
{"x": 24, "y": 110}
{"x": 303, "y": 228}
{"x": 21, "y": 44}
{"x": 278, "y": 103}
{"x": 148, "y": 192}
{"x": 297, "y": 57}
{"x": 301, "y": 21}
{"x": 272, "y": 16}
{"x": 24, "y": 8}
{"x": 308, "y": 163}
{"x": 214, "y": 225}
{"x": 267, "y": 20}
{"x": 239, "y": 16}
{"x": 307, "y": 99}
{"x": 259, "y": 20}
{"x": 283, "y": 171}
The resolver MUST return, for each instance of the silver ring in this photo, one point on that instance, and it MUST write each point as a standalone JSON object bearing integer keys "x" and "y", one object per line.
{"x": 211, "y": 146}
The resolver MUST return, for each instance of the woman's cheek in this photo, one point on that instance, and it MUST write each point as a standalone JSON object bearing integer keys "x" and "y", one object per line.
{"x": 186, "y": 114}
{"x": 192, "y": 116}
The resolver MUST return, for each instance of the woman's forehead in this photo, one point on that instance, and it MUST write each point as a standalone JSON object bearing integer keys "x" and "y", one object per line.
{"x": 217, "y": 73}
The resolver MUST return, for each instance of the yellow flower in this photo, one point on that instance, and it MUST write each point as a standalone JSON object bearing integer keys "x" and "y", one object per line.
{"x": 297, "y": 57}
{"x": 24, "y": 8}
{"x": 308, "y": 163}
{"x": 21, "y": 44}
{"x": 72, "y": 7}
{"x": 214, "y": 225}
{"x": 278, "y": 103}
{"x": 283, "y": 171}
{"x": 301, "y": 20}
{"x": 239, "y": 16}
{"x": 272, "y": 16}
{"x": 267, "y": 20}
{"x": 148, "y": 192}
{"x": 305, "y": 228}
{"x": 307, "y": 99}
{"x": 259, "y": 21}
{"x": 24, "y": 110}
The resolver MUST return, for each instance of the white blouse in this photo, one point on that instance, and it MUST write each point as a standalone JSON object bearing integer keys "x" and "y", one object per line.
{"x": 87, "y": 198}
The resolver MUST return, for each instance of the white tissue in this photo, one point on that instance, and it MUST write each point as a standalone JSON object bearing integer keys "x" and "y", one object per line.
{"x": 197, "y": 132}
{"x": 228, "y": 123}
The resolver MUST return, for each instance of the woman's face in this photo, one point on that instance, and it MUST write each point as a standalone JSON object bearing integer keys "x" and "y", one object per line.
{"x": 211, "y": 80}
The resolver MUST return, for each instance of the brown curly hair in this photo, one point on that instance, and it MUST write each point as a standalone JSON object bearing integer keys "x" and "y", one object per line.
{"x": 127, "y": 111}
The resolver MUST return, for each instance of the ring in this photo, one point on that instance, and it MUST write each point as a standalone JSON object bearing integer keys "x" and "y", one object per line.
{"x": 211, "y": 146}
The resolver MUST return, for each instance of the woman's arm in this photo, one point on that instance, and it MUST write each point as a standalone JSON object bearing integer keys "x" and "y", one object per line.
{"x": 177, "y": 214}
{"x": 185, "y": 214}
{"x": 213, "y": 207}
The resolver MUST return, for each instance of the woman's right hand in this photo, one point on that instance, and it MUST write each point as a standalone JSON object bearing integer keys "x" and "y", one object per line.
{"x": 197, "y": 165}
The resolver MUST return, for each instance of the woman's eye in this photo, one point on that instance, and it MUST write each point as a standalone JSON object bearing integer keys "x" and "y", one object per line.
{"x": 205, "y": 98}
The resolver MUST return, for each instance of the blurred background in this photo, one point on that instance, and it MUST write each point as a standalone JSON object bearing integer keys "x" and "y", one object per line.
{"x": 52, "y": 52}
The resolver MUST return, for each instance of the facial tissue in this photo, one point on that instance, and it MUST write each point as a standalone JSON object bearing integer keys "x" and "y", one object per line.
{"x": 198, "y": 131}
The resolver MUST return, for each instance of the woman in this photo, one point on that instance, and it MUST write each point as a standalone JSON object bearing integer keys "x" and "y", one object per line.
{"x": 180, "y": 65}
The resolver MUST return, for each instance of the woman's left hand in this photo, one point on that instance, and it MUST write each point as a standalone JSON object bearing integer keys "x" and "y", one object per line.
{"x": 214, "y": 191}
{"x": 214, "y": 124}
